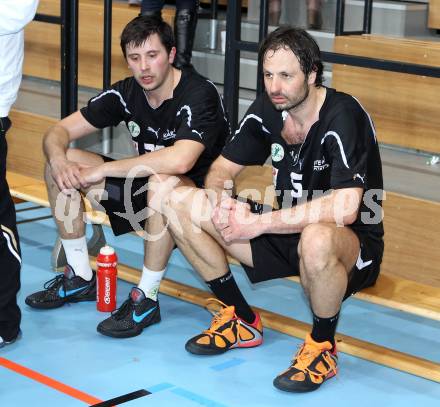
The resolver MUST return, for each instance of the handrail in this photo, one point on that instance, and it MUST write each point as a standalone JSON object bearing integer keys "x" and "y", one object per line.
{"x": 68, "y": 20}
{"x": 232, "y": 56}
{"x": 107, "y": 69}
{"x": 382, "y": 64}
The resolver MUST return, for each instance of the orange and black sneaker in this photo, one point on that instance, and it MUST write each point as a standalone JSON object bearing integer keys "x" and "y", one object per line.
{"x": 314, "y": 363}
{"x": 227, "y": 331}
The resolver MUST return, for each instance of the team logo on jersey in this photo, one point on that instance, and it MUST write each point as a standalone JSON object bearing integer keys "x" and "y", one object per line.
{"x": 169, "y": 134}
{"x": 362, "y": 178}
{"x": 277, "y": 152}
{"x": 134, "y": 129}
{"x": 320, "y": 165}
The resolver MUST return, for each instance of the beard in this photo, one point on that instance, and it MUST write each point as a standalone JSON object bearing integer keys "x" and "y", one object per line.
{"x": 158, "y": 81}
{"x": 294, "y": 101}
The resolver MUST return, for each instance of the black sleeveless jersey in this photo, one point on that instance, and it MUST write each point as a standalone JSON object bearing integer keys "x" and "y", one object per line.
{"x": 340, "y": 151}
{"x": 194, "y": 113}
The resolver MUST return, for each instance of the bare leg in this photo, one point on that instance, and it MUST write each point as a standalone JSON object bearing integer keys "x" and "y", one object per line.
{"x": 274, "y": 12}
{"x": 327, "y": 256}
{"x": 68, "y": 211}
{"x": 314, "y": 16}
{"x": 159, "y": 242}
{"x": 235, "y": 325}
{"x": 196, "y": 236}
{"x": 314, "y": 5}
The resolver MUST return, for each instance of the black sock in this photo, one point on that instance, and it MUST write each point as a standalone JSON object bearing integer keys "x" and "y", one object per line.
{"x": 324, "y": 329}
{"x": 226, "y": 290}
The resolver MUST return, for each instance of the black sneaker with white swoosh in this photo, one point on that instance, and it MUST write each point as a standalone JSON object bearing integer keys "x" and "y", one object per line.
{"x": 130, "y": 319}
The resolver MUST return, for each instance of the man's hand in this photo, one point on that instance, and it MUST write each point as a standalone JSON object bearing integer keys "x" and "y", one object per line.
{"x": 235, "y": 221}
{"x": 67, "y": 175}
{"x": 220, "y": 214}
{"x": 92, "y": 175}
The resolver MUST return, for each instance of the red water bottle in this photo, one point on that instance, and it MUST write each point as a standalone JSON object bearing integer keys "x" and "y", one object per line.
{"x": 106, "y": 275}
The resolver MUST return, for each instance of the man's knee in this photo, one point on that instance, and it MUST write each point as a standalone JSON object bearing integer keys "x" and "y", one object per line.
{"x": 181, "y": 199}
{"x": 317, "y": 247}
{"x": 190, "y": 202}
{"x": 159, "y": 189}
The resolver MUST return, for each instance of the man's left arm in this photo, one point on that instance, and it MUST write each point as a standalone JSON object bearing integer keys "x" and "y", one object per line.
{"x": 339, "y": 207}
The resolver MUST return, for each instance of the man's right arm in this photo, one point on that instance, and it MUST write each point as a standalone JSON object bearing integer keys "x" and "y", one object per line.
{"x": 220, "y": 179}
{"x": 55, "y": 144}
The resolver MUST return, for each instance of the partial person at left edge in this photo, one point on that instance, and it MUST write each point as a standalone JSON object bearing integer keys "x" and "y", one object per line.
{"x": 14, "y": 17}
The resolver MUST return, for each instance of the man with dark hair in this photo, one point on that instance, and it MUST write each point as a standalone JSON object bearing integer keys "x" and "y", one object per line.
{"x": 328, "y": 181}
{"x": 185, "y": 23}
{"x": 178, "y": 127}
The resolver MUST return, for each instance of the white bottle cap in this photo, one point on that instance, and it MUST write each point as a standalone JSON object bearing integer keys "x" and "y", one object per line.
{"x": 107, "y": 250}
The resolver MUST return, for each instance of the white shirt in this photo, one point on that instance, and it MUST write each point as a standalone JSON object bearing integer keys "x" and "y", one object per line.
{"x": 14, "y": 15}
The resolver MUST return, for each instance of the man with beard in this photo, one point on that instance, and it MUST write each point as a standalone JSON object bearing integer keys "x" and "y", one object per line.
{"x": 328, "y": 181}
{"x": 178, "y": 126}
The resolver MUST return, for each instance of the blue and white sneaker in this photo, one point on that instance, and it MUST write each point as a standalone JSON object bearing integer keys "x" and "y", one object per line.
{"x": 130, "y": 319}
{"x": 4, "y": 342}
{"x": 67, "y": 287}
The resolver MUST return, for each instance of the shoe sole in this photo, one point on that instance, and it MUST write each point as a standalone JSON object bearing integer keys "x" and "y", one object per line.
{"x": 197, "y": 350}
{"x": 297, "y": 387}
{"x": 5, "y": 343}
{"x": 59, "y": 303}
{"x": 129, "y": 333}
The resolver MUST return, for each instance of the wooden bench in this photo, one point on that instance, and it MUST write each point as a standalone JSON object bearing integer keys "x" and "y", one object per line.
{"x": 404, "y": 107}
{"x": 393, "y": 289}
{"x": 434, "y": 14}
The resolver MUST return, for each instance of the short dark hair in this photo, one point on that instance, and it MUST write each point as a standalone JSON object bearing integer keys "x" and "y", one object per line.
{"x": 301, "y": 44}
{"x": 140, "y": 28}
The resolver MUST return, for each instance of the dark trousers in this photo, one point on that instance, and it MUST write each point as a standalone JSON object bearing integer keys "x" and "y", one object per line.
{"x": 155, "y": 5}
{"x": 10, "y": 255}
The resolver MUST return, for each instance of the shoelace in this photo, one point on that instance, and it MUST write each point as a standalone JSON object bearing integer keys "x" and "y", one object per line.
{"x": 218, "y": 318}
{"x": 121, "y": 312}
{"x": 55, "y": 283}
{"x": 305, "y": 356}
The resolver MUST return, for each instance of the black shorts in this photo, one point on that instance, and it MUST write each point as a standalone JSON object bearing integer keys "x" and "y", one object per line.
{"x": 125, "y": 205}
{"x": 276, "y": 256}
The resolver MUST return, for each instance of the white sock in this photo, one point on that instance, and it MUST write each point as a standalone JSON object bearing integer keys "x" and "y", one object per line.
{"x": 78, "y": 256}
{"x": 150, "y": 282}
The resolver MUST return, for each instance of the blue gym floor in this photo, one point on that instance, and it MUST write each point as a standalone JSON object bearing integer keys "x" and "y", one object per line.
{"x": 63, "y": 345}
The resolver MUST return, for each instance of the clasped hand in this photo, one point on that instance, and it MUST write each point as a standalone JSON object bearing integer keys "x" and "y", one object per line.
{"x": 72, "y": 176}
{"x": 235, "y": 221}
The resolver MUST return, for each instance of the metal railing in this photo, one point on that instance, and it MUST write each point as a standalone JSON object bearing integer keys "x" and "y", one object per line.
{"x": 107, "y": 68}
{"x": 234, "y": 45}
{"x": 68, "y": 20}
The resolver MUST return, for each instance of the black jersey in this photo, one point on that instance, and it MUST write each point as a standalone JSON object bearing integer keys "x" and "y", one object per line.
{"x": 340, "y": 151}
{"x": 194, "y": 113}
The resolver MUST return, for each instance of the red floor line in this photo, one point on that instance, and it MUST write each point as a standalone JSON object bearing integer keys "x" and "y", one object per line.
{"x": 54, "y": 384}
